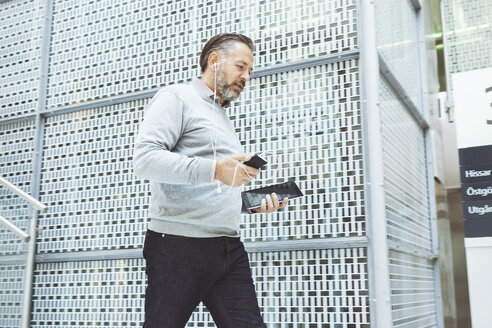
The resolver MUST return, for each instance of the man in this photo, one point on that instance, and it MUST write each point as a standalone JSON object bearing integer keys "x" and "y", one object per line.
{"x": 188, "y": 149}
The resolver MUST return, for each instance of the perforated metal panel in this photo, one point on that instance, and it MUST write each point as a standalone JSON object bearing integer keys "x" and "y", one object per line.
{"x": 404, "y": 154}
{"x": 89, "y": 294}
{"x": 413, "y": 302}
{"x": 397, "y": 43}
{"x": 313, "y": 126}
{"x": 310, "y": 120}
{"x": 103, "y": 48}
{"x": 16, "y": 154}
{"x": 94, "y": 200}
{"x": 20, "y": 56}
{"x": 467, "y": 35}
{"x": 322, "y": 288}
{"x": 11, "y": 294}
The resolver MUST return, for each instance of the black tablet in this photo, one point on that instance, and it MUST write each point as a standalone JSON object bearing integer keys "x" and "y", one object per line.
{"x": 252, "y": 198}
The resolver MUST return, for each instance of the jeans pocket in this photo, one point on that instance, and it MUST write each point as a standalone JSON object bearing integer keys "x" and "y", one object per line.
{"x": 149, "y": 254}
{"x": 146, "y": 246}
{"x": 150, "y": 268}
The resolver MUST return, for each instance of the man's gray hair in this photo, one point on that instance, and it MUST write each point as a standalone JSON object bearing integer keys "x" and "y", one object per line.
{"x": 222, "y": 44}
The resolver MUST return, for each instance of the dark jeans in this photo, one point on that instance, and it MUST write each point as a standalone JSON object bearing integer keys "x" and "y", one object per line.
{"x": 184, "y": 271}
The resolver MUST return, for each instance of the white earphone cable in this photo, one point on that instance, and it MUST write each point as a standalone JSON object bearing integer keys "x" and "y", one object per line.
{"x": 213, "y": 136}
{"x": 213, "y": 139}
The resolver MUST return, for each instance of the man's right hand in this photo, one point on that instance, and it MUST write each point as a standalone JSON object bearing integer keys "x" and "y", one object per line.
{"x": 225, "y": 167}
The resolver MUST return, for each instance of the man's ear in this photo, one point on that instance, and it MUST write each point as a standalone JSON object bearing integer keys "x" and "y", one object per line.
{"x": 213, "y": 59}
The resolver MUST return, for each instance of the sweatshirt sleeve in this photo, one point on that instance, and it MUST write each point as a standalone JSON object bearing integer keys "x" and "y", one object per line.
{"x": 159, "y": 132}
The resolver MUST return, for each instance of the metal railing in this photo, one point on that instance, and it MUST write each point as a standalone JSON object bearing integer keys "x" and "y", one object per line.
{"x": 30, "y": 240}
{"x": 34, "y": 202}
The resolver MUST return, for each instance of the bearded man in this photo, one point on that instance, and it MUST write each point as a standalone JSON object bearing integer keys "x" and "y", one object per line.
{"x": 188, "y": 150}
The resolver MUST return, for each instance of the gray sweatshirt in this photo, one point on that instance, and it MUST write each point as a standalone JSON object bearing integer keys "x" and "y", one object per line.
{"x": 173, "y": 151}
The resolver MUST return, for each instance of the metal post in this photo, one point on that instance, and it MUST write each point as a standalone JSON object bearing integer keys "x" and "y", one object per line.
{"x": 29, "y": 269}
{"x": 424, "y": 93}
{"x": 38, "y": 148}
{"x": 31, "y": 245}
{"x": 379, "y": 286}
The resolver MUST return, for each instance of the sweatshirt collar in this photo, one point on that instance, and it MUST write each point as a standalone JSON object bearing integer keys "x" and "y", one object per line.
{"x": 206, "y": 92}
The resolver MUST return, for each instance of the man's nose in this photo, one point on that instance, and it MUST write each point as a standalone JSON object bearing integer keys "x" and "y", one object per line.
{"x": 245, "y": 76}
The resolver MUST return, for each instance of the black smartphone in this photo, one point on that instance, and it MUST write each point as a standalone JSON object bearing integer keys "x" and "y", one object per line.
{"x": 252, "y": 198}
{"x": 256, "y": 161}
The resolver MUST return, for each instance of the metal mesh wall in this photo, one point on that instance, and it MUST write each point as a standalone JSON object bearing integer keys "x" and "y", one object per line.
{"x": 89, "y": 294}
{"x": 309, "y": 116}
{"x": 467, "y": 35}
{"x": 16, "y": 154}
{"x": 397, "y": 43}
{"x": 11, "y": 294}
{"x": 318, "y": 288}
{"x": 313, "y": 126}
{"x": 20, "y": 56}
{"x": 413, "y": 302}
{"x": 412, "y": 285}
{"x": 407, "y": 196}
{"x": 310, "y": 119}
{"x": 94, "y": 200}
{"x": 103, "y": 48}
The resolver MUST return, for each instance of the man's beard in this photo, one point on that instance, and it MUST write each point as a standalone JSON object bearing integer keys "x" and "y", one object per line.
{"x": 224, "y": 89}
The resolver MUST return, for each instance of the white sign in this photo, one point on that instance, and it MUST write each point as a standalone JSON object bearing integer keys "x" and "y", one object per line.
{"x": 473, "y": 113}
{"x": 472, "y": 94}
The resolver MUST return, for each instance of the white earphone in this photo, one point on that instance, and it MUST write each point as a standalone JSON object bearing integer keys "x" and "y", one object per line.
{"x": 214, "y": 142}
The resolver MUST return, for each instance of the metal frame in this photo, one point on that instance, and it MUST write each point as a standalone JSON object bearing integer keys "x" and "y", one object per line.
{"x": 449, "y": 101}
{"x": 434, "y": 231}
{"x": 377, "y": 253}
{"x": 309, "y": 244}
{"x": 395, "y": 85}
{"x": 343, "y": 56}
{"x": 257, "y": 247}
{"x": 16, "y": 119}
{"x": 12, "y": 259}
{"x": 120, "y": 99}
{"x": 115, "y": 100}
{"x": 400, "y": 248}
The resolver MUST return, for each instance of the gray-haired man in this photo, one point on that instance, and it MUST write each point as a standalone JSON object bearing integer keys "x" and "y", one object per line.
{"x": 188, "y": 150}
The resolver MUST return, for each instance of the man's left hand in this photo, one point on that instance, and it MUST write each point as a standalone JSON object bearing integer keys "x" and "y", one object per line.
{"x": 271, "y": 203}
